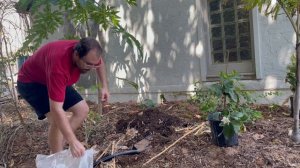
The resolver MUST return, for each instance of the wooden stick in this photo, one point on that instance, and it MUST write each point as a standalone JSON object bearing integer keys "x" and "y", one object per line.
{"x": 184, "y": 129}
{"x": 202, "y": 131}
{"x": 120, "y": 140}
{"x": 104, "y": 151}
{"x": 186, "y": 134}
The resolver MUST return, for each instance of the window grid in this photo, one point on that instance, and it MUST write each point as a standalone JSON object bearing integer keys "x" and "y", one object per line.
{"x": 237, "y": 22}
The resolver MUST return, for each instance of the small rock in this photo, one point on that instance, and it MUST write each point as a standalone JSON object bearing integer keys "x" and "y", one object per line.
{"x": 260, "y": 162}
{"x": 131, "y": 132}
{"x": 123, "y": 147}
{"x": 290, "y": 132}
{"x": 185, "y": 151}
{"x": 258, "y": 136}
{"x": 230, "y": 151}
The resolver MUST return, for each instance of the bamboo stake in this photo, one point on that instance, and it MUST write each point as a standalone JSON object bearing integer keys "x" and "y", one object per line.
{"x": 186, "y": 134}
{"x": 104, "y": 152}
{"x": 112, "y": 152}
{"x": 185, "y": 129}
{"x": 200, "y": 130}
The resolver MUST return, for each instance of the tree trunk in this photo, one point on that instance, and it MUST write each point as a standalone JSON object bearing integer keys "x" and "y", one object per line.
{"x": 296, "y": 135}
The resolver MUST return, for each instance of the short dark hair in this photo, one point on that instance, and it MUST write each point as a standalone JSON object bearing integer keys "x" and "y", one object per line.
{"x": 85, "y": 45}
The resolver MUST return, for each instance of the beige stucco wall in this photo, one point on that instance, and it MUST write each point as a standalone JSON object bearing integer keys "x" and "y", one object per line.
{"x": 176, "y": 44}
{"x": 175, "y": 38}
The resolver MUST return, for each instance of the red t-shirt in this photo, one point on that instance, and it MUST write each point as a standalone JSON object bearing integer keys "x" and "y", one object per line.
{"x": 52, "y": 65}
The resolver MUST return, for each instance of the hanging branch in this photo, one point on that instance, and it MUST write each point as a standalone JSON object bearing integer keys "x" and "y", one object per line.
{"x": 289, "y": 17}
{"x": 11, "y": 89}
{"x": 7, "y": 56}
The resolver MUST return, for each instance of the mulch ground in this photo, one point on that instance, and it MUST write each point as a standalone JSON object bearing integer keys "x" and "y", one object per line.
{"x": 266, "y": 143}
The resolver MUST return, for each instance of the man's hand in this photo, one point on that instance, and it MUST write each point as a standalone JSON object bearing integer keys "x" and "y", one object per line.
{"x": 101, "y": 71}
{"x": 63, "y": 124}
{"x": 77, "y": 149}
{"x": 104, "y": 95}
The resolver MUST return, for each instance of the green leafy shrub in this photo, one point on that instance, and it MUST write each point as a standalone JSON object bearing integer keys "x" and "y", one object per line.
{"x": 148, "y": 104}
{"x": 291, "y": 73}
{"x": 227, "y": 101}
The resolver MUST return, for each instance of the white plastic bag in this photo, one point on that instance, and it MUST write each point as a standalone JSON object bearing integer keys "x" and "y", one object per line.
{"x": 64, "y": 159}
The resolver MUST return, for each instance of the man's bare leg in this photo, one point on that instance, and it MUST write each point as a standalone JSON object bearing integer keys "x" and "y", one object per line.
{"x": 55, "y": 137}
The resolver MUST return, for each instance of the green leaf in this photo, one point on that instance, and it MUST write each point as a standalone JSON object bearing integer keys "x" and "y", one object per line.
{"x": 232, "y": 95}
{"x": 47, "y": 20}
{"x": 256, "y": 115}
{"x": 133, "y": 84}
{"x": 237, "y": 115}
{"x": 131, "y": 2}
{"x": 148, "y": 103}
{"x": 244, "y": 118}
{"x": 216, "y": 89}
{"x": 228, "y": 130}
{"x": 236, "y": 127}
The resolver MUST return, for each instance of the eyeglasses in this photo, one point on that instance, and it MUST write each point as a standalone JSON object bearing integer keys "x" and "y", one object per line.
{"x": 90, "y": 65}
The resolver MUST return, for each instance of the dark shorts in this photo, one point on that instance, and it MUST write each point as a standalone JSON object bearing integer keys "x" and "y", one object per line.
{"x": 37, "y": 96}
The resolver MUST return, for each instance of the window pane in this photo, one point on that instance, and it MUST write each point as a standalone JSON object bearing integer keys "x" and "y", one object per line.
{"x": 245, "y": 55}
{"x": 215, "y": 18}
{"x": 244, "y": 28}
{"x": 230, "y": 36}
{"x": 228, "y": 16}
{"x": 230, "y": 30}
{"x": 214, "y": 5}
{"x": 228, "y": 4}
{"x": 218, "y": 58}
{"x": 216, "y": 32}
{"x": 232, "y": 56}
{"x": 243, "y": 14}
{"x": 217, "y": 45}
{"x": 230, "y": 43}
{"x": 245, "y": 41}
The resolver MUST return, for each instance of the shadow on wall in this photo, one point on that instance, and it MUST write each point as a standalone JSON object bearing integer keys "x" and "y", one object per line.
{"x": 170, "y": 33}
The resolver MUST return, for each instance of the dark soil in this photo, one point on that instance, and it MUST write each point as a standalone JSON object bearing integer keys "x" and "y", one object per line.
{"x": 265, "y": 143}
{"x": 151, "y": 122}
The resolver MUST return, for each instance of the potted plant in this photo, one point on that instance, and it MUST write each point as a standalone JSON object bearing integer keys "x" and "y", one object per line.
{"x": 291, "y": 79}
{"x": 228, "y": 107}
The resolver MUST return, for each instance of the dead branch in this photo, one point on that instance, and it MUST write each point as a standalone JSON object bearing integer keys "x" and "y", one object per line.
{"x": 186, "y": 134}
{"x": 10, "y": 140}
{"x": 104, "y": 151}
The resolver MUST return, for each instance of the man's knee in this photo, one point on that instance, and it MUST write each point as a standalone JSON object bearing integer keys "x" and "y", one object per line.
{"x": 84, "y": 110}
{"x": 80, "y": 110}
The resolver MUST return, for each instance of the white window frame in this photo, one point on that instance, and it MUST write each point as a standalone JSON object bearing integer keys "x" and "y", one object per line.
{"x": 205, "y": 58}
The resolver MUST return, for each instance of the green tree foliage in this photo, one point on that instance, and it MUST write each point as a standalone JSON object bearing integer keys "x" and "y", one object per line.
{"x": 271, "y": 7}
{"x": 47, "y": 19}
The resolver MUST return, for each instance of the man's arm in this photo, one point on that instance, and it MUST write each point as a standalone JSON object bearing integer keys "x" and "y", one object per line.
{"x": 62, "y": 122}
{"x": 101, "y": 71}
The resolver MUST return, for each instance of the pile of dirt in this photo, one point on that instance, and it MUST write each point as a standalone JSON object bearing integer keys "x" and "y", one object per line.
{"x": 151, "y": 122}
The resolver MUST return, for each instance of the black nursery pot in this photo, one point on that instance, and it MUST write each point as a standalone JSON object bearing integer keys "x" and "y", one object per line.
{"x": 218, "y": 136}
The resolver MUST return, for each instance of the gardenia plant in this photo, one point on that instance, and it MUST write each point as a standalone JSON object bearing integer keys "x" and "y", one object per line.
{"x": 228, "y": 102}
